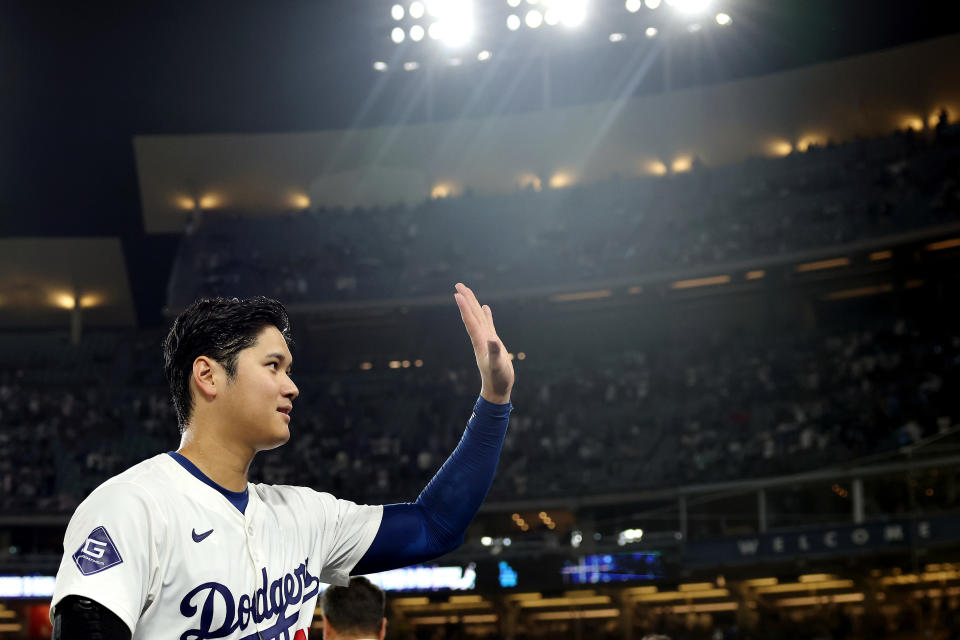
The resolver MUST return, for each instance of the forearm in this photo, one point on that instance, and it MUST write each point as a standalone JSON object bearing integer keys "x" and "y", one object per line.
{"x": 437, "y": 521}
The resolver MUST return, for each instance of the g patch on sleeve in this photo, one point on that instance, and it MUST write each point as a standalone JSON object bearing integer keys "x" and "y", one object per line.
{"x": 97, "y": 553}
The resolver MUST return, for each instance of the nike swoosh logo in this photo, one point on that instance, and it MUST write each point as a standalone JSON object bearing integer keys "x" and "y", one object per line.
{"x": 201, "y": 537}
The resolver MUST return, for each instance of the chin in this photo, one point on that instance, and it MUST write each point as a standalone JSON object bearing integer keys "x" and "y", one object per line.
{"x": 274, "y": 440}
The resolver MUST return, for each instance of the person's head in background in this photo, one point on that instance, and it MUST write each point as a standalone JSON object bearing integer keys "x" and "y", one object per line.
{"x": 354, "y": 612}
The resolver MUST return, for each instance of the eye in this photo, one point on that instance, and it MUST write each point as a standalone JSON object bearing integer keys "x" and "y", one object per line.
{"x": 275, "y": 365}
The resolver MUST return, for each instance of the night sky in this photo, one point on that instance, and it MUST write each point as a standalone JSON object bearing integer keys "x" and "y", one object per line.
{"x": 81, "y": 79}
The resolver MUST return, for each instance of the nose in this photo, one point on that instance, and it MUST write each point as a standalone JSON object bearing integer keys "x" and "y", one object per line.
{"x": 291, "y": 391}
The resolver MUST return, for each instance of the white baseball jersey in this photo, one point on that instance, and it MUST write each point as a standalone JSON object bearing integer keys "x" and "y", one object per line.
{"x": 175, "y": 559}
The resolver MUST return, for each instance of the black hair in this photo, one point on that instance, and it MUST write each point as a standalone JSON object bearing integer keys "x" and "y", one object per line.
{"x": 219, "y": 328}
{"x": 356, "y": 609}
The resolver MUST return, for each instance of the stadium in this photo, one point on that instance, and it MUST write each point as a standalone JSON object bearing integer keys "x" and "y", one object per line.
{"x": 721, "y": 240}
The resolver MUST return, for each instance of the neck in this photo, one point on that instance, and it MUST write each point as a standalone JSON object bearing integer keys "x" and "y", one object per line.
{"x": 224, "y": 461}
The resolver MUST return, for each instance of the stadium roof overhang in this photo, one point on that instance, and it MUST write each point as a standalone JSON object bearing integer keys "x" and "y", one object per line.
{"x": 869, "y": 95}
{"x": 42, "y": 280}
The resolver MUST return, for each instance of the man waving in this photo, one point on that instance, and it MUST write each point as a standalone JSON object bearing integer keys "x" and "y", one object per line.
{"x": 182, "y": 546}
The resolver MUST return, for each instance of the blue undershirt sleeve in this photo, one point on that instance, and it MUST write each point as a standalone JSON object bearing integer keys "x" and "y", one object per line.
{"x": 436, "y": 523}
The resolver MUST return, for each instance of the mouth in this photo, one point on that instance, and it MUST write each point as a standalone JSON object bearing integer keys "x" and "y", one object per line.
{"x": 286, "y": 412}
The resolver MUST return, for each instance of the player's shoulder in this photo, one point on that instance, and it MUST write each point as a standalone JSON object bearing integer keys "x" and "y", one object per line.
{"x": 287, "y": 496}
{"x": 145, "y": 482}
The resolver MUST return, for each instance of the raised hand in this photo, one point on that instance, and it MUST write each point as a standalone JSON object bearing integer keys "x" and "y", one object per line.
{"x": 496, "y": 369}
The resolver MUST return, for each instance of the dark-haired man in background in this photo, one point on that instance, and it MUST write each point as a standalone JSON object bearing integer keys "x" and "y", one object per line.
{"x": 354, "y": 612}
{"x": 181, "y": 546}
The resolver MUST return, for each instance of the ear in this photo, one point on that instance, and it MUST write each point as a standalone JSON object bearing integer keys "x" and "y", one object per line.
{"x": 383, "y": 628}
{"x": 328, "y": 631}
{"x": 204, "y": 377}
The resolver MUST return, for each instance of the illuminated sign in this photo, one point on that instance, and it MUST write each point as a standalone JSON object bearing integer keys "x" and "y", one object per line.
{"x": 612, "y": 567}
{"x": 508, "y": 577}
{"x": 26, "y": 586}
{"x": 426, "y": 578}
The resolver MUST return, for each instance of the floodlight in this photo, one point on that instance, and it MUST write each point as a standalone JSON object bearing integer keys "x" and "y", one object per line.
{"x": 397, "y": 12}
{"x": 534, "y": 19}
{"x": 617, "y": 37}
{"x": 380, "y": 65}
{"x": 551, "y": 17}
{"x": 513, "y": 22}
{"x": 633, "y": 5}
{"x": 653, "y": 4}
{"x": 572, "y": 12}
{"x": 514, "y": 3}
{"x": 694, "y": 27}
{"x": 416, "y": 10}
{"x": 411, "y": 66}
{"x": 454, "y": 20}
{"x": 435, "y": 31}
{"x": 416, "y": 33}
{"x": 483, "y": 56}
{"x": 651, "y": 32}
{"x": 397, "y": 35}
{"x": 723, "y": 19}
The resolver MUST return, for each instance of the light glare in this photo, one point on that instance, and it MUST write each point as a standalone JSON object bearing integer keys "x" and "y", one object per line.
{"x": 653, "y": 4}
{"x": 397, "y": 35}
{"x": 513, "y": 22}
{"x": 416, "y": 10}
{"x": 454, "y": 19}
{"x": 416, "y": 33}
{"x": 633, "y": 5}
{"x": 534, "y": 19}
{"x": 572, "y": 12}
{"x": 552, "y": 17}
{"x": 397, "y": 12}
{"x": 691, "y": 6}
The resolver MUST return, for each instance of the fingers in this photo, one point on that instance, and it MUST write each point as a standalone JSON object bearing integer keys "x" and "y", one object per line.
{"x": 472, "y": 304}
{"x": 474, "y": 328}
{"x": 488, "y": 314}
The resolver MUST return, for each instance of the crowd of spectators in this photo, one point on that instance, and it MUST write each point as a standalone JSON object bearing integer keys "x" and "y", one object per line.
{"x": 825, "y": 196}
{"x": 720, "y": 406}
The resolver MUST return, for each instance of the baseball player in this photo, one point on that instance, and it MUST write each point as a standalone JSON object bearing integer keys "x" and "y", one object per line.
{"x": 182, "y": 546}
